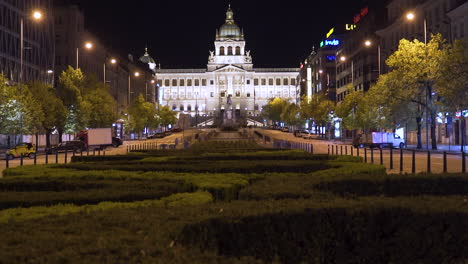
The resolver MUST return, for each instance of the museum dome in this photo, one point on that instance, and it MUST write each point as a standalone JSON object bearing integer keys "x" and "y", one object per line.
{"x": 230, "y": 30}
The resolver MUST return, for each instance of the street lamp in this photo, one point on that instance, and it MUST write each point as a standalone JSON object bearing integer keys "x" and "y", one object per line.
{"x": 136, "y": 74}
{"x": 112, "y": 61}
{"x": 368, "y": 44}
{"x": 88, "y": 45}
{"x": 410, "y": 17}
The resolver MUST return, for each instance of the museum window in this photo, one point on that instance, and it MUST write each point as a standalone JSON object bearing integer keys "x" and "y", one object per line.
{"x": 212, "y": 94}
{"x": 238, "y": 50}
{"x": 256, "y": 82}
{"x": 248, "y": 82}
{"x": 203, "y": 82}
{"x": 174, "y": 82}
{"x": 286, "y": 81}
{"x": 211, "y": 82}
{"x": 238, "y": 93}
{"x": 182, "y": 108}
{"x": 182, "y": 82}
{"x": 248, "y": 94}
{"x": 189, "y": 82}
{"x": 278, "y": 82}
{"x": 221, "y": 51}
{"x": 293, "y": 81}
{"x": 189, "y": 108}
{"x": 270, "y": 82}
{"x": 174, "y": 107}
{"x": 263, "y": 81}
{"x": 197, "y": 82}
{"x": 223, "y": 94}
{"x": 167, "y": 82}
{"x": 229, "y": 50}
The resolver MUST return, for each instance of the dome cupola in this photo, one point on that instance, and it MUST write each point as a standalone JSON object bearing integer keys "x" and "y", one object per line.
{"x": 230, "y": 30}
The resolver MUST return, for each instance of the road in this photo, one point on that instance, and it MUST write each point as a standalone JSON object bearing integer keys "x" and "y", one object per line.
{"x": 41, "y": 159}
{"x": 454, "y": 161}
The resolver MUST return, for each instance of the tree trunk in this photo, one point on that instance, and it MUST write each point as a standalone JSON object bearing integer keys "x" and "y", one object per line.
{"x": 433, "y": 131}
{"x": 48, "y": 132}
{"x": 418, "y": 124}
{"x": 463, "y": 134}
{"x": 37, "y": 141}
{"x": 60, "y": 133}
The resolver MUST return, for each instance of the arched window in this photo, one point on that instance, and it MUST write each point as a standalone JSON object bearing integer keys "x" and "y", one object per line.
{"x": 189, "y": 108}
{"x": 174, "y": 107}
{"x": 238, "y": 50}
{"x": 238, "y": 93}
{"x": 230, "y": 51}
{"x": 221, "y": 51}
{"x": 182, "y": 108}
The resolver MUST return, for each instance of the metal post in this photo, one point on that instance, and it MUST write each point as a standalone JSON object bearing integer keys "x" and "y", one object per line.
{"x": 341, "y": 149}
{"x": 445, "y": 162}
{"x": 56, "y": 157}
{"x": 94, "y": 152}
{"x": 7, "y": 161}
{"x": 346, "y": 150}
{"x": 311, "y": 148}
{"x": 391, "y": 158}
{"x": 413, "y": 162}
{"x": 365, "y": 155}
{"x": 66, "y": 156}
{"x": 328, "y": 149}
{"x": 428, "y": 162}
{"x": 357, "y": 150}
{"x": 21, "y": 159}
{"x": 35, "y": 158}
{"x": 99, "y": 152}
{"x": 87, "y": 152}
{"x": 46, "y": 158}
{"x": 401, "y": 160}
{"x": 372, "y": 155}
{"x": 381, "y": 156}
{"x": 463, "y": 162}
{"x": 352, "y": 151}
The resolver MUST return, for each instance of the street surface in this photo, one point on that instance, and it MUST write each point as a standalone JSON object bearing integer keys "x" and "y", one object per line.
{"x": 454, "y": 161}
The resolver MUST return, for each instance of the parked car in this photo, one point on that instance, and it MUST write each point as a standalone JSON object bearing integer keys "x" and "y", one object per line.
{"x": 298, "y": 133}
{"x": 285, "y": 129}
{"x": 157, "y": 135}
{"x": 168, "y": 133}
{"x": 307, "y": 134}
{"x": 24, "y": 149}
{"x": 177, "y": 130}
{"x": 76, "y": 146}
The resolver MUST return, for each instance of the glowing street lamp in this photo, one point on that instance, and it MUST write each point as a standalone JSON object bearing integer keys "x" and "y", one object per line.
{"x": 410, "y": 16}
{"x": 37, "y": 15}
{"x": 367, "y": 43}
{"x": 113, "y": 61}
{"x": 137, "y": 74}
{"x": 89, "y": 45}
{"x": 343, "y": 58}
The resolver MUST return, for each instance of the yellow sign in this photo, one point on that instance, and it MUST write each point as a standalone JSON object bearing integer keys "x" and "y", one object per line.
{"x": 330, "y": 32}
{"x": 350, "y": 27}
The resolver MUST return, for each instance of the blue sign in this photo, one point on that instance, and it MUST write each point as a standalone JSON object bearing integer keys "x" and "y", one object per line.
{"x": 332, "y": 42}
{"x": 331, "y": 58}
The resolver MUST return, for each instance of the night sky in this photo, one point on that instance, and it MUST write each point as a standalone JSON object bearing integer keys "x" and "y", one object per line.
{"x": 180, "y": 34}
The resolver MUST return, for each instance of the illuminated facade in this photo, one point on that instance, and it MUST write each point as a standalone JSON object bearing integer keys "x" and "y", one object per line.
{"x": 230, "y": 81}
{"x": 38, "y": 40}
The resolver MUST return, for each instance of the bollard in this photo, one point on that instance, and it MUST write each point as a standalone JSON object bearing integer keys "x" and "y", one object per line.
{"x": 445, "y": 162}
{"x": 357, "y": 150}
{"x": 7, "y": 161}
{"x": 365, "y": 155}
{"x": 81, "y": 153}
{"x": 381, "y": 156}
{"x": 352, "y": 151}
{"x": 333, "y": 150}
{"x": 87, "y": 152}
{"x": 21, "y": 160}
{"x": 35, "y": 158}
{"x": 56, "y": 157}
{"x": 73, "y": 153}
{"x": 94, "y": 152}
{"x": 99, "y": 152}
{"x": 428, "y": 162}
{"x": 413, "y": 162}
{"x": 346, "y": 150}
{"x": 66, "y": 156}
{"x": 391, "y": 158}
{"x": 46, "y": 158}
{"x": 328, "y": 149}
{"x": 104, "y": 152}
{"x": 463, "y": 162}
{"x": 372, "y": 155}
{"x": 401, "y": 160}
{"x": 341, "y": 149}
{"x": 311, "y": 149}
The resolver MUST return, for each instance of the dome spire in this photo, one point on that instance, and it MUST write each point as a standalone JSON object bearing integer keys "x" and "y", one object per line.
{"x": 230, "y": 16}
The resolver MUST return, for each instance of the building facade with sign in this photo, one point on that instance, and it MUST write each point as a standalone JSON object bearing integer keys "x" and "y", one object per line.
{"x": 230, "y": 83}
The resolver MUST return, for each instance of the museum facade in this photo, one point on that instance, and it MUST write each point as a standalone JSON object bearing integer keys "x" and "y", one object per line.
{"x": 230, "y": 83}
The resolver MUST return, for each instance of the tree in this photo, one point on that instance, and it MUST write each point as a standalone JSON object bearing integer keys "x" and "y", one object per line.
{"x": 143, "y": 115}
{"x": 9, "y": 107}
{"x": 291, "y": 115}
{"x": 317, "y": 108}
{"x": 98, "y": 105}
{"x": 166, "y": 116}
{"x": 50, "y": 105}
{"x": 274, "y": 109}
{"x": 416, "y": 67}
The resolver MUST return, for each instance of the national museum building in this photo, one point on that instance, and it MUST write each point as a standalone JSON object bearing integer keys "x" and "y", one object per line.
{"x": 230, "y": 83}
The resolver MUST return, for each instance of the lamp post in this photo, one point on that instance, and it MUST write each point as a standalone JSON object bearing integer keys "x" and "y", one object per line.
{"x": 136, "y": 74}
{"x": 113, "y": 62}
{"x": 36, "y": 16}
{"x": 368, "y": 44}
{"x": 88, "y": 46}
{"x": 410, "y": 17}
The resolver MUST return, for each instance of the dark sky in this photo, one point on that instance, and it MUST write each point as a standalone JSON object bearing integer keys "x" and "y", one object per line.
{"x": 180, "y": 34}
